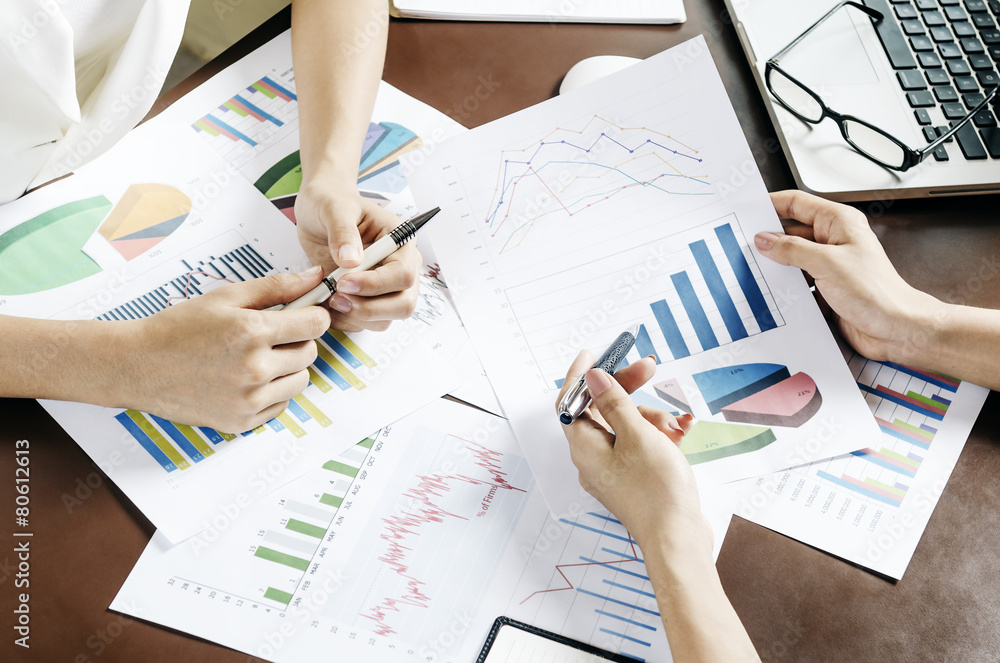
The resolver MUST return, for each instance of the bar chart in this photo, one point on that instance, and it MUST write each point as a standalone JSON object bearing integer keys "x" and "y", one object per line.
{"x": 196, "y": 277}
{"x": 259, "y": 113}
{"x": 705, "y": 293}
{"x": 907, "y": 404}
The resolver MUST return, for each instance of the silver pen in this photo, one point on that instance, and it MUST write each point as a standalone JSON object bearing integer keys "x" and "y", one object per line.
{"x": 372, "y": 256}
{"x": 576, "y": 400}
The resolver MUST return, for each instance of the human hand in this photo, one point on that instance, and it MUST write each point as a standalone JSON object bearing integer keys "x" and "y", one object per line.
{"x": 877, "y": 311}
{"x": 628, "y": 457}
{"x": 333, "y": 224}
{"x": 219, "y": 360}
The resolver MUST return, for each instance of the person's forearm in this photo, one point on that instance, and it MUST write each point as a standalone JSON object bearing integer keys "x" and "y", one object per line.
{"x": 960, "y": 341}
{"x": 338, "y": 47}
{"x": 698, "y": 619}
{"x": 63, "y": 360}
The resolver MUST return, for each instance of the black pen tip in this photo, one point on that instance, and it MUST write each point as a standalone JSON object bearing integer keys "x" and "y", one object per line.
{"x": 418, "y": 221}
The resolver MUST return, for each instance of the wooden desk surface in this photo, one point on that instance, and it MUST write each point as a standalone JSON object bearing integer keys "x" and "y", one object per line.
{"x": 798, "y": 604}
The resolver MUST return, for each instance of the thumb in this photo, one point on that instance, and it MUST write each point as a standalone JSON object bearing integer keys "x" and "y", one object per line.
{"x": 272, "y": 290}
{"x": 344, "y": 240}
{"x": 794, "y": 251}
{"x": 613, "y": 402}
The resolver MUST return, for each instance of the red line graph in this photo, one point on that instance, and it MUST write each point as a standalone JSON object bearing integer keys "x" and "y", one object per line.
{"x": 569, "y": 583}
{"x": 404, "y": 529}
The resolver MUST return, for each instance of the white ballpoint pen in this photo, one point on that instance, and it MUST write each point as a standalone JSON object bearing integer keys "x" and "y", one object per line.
{"x": 372, "y": 256}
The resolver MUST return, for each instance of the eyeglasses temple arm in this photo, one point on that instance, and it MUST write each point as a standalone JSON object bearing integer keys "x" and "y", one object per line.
{"x": 992, "y": 96}
{"x": 874, "y": 14}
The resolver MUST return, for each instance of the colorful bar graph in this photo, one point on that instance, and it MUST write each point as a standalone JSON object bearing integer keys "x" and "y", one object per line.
{"x": 179, "y": 438}
{"x": 904, "y": 432}
{"x": 644, "y": 345}
{"x": 297, "y": 410}
{"x": 625, "y": 619}
{"x": 328, "y": 370}
{"x": 625, "y": 637}
{"x": 745, "y": 277}
{"x": 146, "y": 440}
{"x": 353, "y": 348}
{"x": 214, "y": 436}
{"x": 717, "y": 288}
{"x": 920, "y": 407}
{"x": 320, "y": 383}
{"x": 312, "y": 410}
{"x": 227, "y": 130}
{"x": 268, "y": 87}
{"x": 671, "y": 332}
{"x": 341, "y": 351}
{"x": 890, "y": 460}
{"x": 290, "y": 424}
{"x": 272, "y": 555}
{"x": 573, "y": 523}
{"x": 278, "y": 595}
{"x": 338, "y": 368}
{"x": 696, "y": 314}
{"x": 276, "y": 425}
{"x": 936, "y": 379}
{"x": 869, "y": 488}
{"x": 238, "y": 104}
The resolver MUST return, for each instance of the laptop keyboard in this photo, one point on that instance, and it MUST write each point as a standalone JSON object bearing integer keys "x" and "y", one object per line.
{"x": 946, "y": 54}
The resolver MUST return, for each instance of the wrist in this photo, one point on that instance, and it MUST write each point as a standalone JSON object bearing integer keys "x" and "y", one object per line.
{"x": 925, "y": 321}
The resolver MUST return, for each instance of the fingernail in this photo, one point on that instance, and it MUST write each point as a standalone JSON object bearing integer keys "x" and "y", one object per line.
{"x": 598, "y": 382}
{"x": 349, "y": 252}
{"x": 675, "y": 426}
{"x": 312, "y": 272}
{"x": 342, "y": 304}
{"x": 764, "y": 241}
{"x": 350, "y": 287}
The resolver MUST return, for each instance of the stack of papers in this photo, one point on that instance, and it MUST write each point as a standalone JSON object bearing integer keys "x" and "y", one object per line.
{"x": 555, "y": 11}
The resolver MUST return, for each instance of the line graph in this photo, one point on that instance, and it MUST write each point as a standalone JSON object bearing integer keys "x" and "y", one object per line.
{"x": 600, "y": 161}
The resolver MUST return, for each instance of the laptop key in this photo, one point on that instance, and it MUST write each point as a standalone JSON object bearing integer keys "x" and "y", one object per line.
{"x": 958, "y": 68}
{"x": 921, "y": 43}
{"x": 991, "y": 137}
{"x": 991, "y": 36}
{"x": 955, "y": 13}
{"x": 910, "y": 79}
{"x": 923, "y": 117}
{"x": 929, "y": 60}
{"x": 995, "y": 53}
{"x": 972, "y": 100}
{"x": 945, "y": 93}
{"x": 950, "y": 50}
{"x": 984, "y": 118}
{"x": 953, "y": 111}
{"x": 905, "y": 11}
{"x": 994, "y": 6}
{"x": 940, "y": 34}
{"x": 966, "y": 84}
{"x": 940, "y": 131}
{"x": 921, "y": 99}
{"x": 912, "y": 27}
{"x": 969, "y": 143}
{"x": 939, "y": 77}
{"x": 925, "y": 5}
{"x": 933, "y": 18}
{"x": 930, "y": 134}
{"x": 971, "y": 45}
{"x": 980, "y": 61}
{"x": 892, "y": 39}
{"x": 963, "y": 29}
{"x": 988, "y": 79}
{"x": 983, "y": 21}
{"x": 975, "y": 5}
{"x": 940, "y": 154}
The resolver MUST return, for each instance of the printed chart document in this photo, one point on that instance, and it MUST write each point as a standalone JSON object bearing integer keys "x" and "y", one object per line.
{"x": 406, "y": 547}
{"x": 556, "y": 11}
{"x": 160, "y": 220}
{"x": 871, "y": 506}
{"x": 577, "y": 218}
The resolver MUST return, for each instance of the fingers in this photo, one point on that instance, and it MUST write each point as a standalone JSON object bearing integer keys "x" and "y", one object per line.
{"x": 672, "y": 427}
{"x": 294, "y": 357}
{"x": 583, "y": 361}
{"x": 825, "y": 216}
{"x": 398, "y": 272}
{"x": 795, "y": 251}
{"x": 303, "y": 324}
{"x": 613, "y": 402}
{"x": 272, "y": 290}
{"x": 635, "y": 375}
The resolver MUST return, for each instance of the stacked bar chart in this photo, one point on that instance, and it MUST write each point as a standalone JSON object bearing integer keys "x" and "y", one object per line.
{"x": 907, "y": 404}
{"x": 198, "y": 276}
{"x": 252, "y": 116}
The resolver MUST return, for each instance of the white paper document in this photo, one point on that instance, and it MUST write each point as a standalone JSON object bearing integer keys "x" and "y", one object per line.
{"x": 406, "y": 547}
{"x": 635, "y": 201}
{"x": 871, "y": 507}
{"x": 555, "y": 11}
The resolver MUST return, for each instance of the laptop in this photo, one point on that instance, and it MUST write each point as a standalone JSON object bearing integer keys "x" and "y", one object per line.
{"x": 923, "y": 65}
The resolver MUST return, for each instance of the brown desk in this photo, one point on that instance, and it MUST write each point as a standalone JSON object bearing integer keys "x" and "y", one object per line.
{"x": 798, "y": 604}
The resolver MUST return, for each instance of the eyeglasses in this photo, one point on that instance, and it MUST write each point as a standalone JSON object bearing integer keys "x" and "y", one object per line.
{"x": 878, "y": 145}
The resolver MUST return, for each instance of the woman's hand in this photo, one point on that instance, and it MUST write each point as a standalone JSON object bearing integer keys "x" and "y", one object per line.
{"x": 333, "y": 224}
{"x": 628, "y": 456}
{"x": 219, "y": 360}
{"x": 878, "y": 312}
